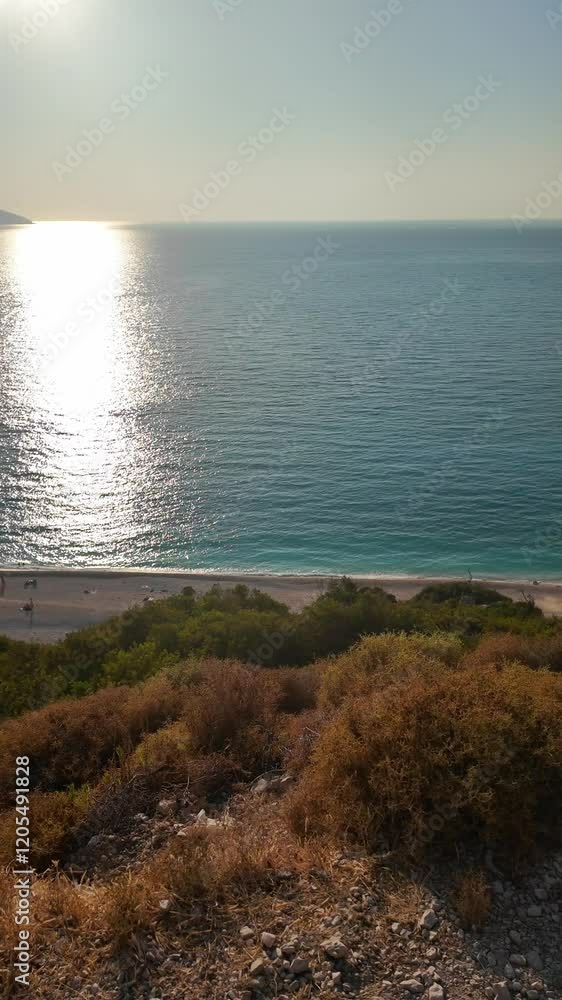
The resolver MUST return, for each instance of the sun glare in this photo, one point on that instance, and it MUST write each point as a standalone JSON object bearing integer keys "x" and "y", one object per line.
{"x": 69, "y": 276}
{"x": 70, "y": 342}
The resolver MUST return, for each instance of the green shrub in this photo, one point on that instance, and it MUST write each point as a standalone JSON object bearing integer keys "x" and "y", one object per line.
{"x": 134, "y": 665}
{"x": 461, "y": 591}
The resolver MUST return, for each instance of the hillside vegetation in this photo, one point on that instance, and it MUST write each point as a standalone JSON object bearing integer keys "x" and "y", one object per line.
{"x": 252, "y": 627}
{"x": 404, "y": 731}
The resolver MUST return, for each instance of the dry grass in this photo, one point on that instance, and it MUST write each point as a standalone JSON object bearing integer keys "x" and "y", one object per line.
{"x": 404, "y": 901}
{"x": 473, "y": 900}
{"x": 61, "y": 908}
{"x": 129, "y": 909}
{"x": 207, "y": 869}
{"x": 213, "y": 864}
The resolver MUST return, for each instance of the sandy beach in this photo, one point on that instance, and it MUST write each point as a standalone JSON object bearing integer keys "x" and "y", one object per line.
{"x": 66, "y": 600}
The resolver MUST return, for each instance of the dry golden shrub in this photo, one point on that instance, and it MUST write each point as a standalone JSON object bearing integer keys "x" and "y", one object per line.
{"x": 299, "y": 688}
{"x": 297, "y": 737}
{"x": 70, "y": 742}
{"x": 158, "y": 700}
{"x": 440, "y": 755}
{"x": 55, "y": 818}
{"x": 167, "y": 748}
{"x": 234, "y": 711}
{"x": 473, "y": 899}
{"x": 378, "y": 660}
{"x": 540, "y": 651}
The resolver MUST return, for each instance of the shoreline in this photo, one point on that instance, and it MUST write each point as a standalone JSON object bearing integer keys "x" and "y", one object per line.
{"x": 242, "y": 574}
{"x": 69, "y": 599}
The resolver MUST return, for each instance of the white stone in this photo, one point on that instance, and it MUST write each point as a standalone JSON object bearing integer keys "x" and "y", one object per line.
{"x": 413, "y": 986}
{"x": 429, "y": 920}
{"x": 165, "y": 807}
{"x": 335, "y": 948}
{"x": 436, "y": 992}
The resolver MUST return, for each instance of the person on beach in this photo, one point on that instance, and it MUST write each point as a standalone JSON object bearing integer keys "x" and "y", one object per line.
{"x": 2, "y": 585}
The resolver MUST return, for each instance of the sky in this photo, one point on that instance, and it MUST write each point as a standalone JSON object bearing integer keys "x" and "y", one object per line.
{"x": 209, "y": 110}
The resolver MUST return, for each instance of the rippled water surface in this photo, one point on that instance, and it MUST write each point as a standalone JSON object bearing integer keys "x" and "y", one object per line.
{"x": 176, "y": 396}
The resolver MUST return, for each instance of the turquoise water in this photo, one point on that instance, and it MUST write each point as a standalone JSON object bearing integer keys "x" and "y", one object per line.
{"x": 182, "y": 397}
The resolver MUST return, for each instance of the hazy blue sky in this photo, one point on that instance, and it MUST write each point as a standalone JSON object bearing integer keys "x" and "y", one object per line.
{"x": 228, "y": 70}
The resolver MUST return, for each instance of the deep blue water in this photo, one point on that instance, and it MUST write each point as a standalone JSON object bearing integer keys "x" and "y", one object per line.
{"x": 398, "y": 409}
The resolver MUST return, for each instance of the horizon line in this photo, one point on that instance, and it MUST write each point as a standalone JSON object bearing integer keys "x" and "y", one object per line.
{"x": 289, "y": 222}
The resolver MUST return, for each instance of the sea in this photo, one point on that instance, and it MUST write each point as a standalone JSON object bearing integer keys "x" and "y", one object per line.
{"x": 283, "y": 398}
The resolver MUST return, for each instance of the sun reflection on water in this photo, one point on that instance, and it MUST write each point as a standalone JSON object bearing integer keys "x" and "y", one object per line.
{"x": 69, "y": 275}
{"x": 80, "y": 367}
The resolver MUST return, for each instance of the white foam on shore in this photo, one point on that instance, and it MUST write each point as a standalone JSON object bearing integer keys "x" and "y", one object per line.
{"x": 240, "y": 574}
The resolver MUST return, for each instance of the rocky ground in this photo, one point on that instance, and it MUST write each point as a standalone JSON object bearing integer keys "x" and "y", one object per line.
{"x": 350, "y": 925}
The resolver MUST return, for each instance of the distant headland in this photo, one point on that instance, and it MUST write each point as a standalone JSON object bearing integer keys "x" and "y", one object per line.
{"x": 9, "y": 219}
